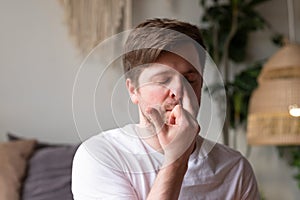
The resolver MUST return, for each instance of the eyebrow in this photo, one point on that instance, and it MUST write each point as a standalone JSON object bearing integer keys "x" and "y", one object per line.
{"x": 164, "y": 72}
{"x": 167, "y": 71}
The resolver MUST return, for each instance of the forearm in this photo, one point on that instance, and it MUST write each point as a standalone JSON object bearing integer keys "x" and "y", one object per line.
{"x": 167, "y": 184}
{"x": 178, "y": 141}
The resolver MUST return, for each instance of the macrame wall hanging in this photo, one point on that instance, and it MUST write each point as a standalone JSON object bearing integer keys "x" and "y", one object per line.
{"x": 92, "y": 21}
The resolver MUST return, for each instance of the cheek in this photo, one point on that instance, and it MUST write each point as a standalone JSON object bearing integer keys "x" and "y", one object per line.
{"x": 152, "y": 95}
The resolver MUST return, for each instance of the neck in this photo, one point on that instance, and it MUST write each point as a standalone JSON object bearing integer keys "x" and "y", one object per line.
{"x": 147, "y": 133}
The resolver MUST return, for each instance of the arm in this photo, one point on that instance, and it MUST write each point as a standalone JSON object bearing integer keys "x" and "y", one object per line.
{"x": 249, "y": 184}
{"x": 168, "y": 182}
{"x": 178, "y": 142}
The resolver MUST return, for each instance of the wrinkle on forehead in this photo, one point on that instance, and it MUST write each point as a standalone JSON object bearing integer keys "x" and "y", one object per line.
{"x": 189, "y": 53}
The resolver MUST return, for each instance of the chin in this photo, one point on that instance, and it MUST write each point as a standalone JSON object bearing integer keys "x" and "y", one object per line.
{"x": 167, "y": 116}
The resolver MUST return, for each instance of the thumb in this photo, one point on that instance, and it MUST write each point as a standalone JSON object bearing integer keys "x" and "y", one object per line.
{"x": 176, "y": 115}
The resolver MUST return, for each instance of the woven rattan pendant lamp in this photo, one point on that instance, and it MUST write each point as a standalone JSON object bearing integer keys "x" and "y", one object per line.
{"x": 274, "y": 109}
{"x": 278, "y": 93}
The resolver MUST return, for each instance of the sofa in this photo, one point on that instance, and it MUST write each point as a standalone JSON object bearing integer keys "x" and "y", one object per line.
{"x": 32, "y": 170}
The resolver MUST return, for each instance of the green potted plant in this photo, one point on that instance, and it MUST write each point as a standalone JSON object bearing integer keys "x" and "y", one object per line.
{"x": 227, "y": 28}
{"x": 228, "y": 25}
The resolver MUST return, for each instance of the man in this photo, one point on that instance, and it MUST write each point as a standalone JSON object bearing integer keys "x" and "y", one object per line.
{"x": 162, "y": 157}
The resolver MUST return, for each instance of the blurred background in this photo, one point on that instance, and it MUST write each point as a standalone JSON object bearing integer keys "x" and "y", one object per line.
{"x": 43, "y": 46}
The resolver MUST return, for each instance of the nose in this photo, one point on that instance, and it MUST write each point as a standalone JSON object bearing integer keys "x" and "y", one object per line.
{"x": 176, "y": 89}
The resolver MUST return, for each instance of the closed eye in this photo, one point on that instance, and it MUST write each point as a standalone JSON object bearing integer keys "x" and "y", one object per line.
{"x": 161, "y": 79}
{"x": 192, "y": 77}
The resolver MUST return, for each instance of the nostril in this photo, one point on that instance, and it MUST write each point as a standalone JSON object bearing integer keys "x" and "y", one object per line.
{"x": 173, "y": 95}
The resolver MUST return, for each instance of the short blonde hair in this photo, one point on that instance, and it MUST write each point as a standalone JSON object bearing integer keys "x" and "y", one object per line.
{"x": 151, "y": 38}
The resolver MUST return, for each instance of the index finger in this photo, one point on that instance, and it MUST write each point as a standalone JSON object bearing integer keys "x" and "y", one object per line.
{"x": 190, "y": 100}
{"x": 156, "y": 119}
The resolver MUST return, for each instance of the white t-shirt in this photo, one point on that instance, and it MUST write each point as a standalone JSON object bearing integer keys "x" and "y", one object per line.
{"x": 117, "y": 164}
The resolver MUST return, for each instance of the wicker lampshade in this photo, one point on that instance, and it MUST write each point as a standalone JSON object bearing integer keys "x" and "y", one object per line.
{"x": 269, "y": 121}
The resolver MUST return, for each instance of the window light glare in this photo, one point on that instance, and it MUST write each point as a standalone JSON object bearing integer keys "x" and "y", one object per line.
{"x": 294, "y": 110}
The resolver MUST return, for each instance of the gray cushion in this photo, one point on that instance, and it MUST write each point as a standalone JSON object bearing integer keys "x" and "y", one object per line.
{"x": 49, "y": 174}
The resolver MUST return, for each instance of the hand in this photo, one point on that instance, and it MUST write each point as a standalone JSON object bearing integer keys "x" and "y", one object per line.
{"x": 177, "y": 137}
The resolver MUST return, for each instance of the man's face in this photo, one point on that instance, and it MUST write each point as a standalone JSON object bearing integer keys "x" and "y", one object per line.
{"x": 170, "y": 81}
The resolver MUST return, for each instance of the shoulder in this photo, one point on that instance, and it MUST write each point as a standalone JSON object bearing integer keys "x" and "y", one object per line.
{"x": 96, "y": 174}
{"x": 219, "y": 162}
{"x": 90, "y": 152}
{"x": 104, "y": 142}
{"x": 111, "y": 148}
{"x": 226, "y": 153}
{"x": 219, "y": 152}
{"x": 236, "y": 169}
{"x": 118, "y": 138}
{"x": 222, "y": 158}
{"x": 224, "y": 150}
{"x": 232, "y": 158}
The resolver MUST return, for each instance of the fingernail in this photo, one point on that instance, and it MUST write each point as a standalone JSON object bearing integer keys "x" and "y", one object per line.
{"x": 148, "y": 110}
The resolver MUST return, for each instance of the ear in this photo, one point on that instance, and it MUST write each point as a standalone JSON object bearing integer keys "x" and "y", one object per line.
{"x": 132, "y": 91}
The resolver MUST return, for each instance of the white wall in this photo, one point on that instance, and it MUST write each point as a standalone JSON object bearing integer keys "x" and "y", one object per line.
{"x": 37, "y": 68}
{"x": 39, "y": 62}
{"x": 188, "y": 10}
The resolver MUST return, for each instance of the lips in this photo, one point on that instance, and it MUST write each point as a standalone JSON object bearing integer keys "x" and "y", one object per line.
{"x": 170, "y": 106}
{"x": 169, "y": 109}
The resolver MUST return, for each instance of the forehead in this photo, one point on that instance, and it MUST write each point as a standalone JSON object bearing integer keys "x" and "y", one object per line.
{"x": 182, "y": 59}
{"x": 185, "y": 52}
